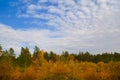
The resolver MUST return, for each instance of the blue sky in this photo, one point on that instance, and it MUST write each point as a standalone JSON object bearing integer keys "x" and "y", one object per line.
{"x": 59, "y": 25}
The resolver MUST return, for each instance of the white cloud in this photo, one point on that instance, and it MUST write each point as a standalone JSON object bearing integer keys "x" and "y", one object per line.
{"x": 86, "y": 25}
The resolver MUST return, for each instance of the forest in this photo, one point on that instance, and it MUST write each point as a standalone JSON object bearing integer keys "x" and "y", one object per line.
{"x": 43, "y": 65}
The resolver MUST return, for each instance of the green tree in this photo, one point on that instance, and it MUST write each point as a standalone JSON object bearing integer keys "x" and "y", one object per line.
{"x": 36, "y": 52}
{"x": 24, "y": 59}
{"x": 53, "y": 56}
{"x": 11, "y": 52}
{"x": 0, "y": 48}
{"x": 116, "y": 56}
{"x": 46, "y": 56}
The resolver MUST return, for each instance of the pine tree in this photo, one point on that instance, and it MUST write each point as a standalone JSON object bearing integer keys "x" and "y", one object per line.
{"x": 24, "y": 58}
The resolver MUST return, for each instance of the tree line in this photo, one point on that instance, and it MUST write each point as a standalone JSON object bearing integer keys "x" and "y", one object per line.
{"x": 26, "y": 55}
{"x": 42, "y": 65}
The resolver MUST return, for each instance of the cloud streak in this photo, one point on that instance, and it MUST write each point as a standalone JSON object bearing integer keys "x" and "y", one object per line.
{"x": 80, "y": 25}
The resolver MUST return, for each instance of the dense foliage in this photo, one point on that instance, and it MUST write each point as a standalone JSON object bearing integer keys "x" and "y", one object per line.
{"x": 51, "y": 66}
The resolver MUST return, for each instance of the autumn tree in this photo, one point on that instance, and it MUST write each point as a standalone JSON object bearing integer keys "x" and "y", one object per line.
{"x": 39, "y": 59}
{"x": 5, "y": 70}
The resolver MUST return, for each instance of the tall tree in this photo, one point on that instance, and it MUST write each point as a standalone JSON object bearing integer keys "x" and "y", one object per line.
{"x": 11, "y": 52}
{"x": 39, "y": 58}
{"x": 53, "y": 56}
{"x": 0, "y": 48}
{"x": 24, "y": 58}
{"x": 36, "y": 52}
{"x": 46, "y": 56}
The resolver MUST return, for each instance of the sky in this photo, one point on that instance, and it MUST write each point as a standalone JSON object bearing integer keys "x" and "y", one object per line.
{"x": 61, "y": 25}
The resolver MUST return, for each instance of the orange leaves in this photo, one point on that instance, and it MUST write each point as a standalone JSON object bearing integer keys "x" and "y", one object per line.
{"x": 59, "y": 70}
{"x": 16, "y": 74}
{"x": 45, "y": 66}
{"x": 5, "y": 70}
{"x": 104, "y": 75}
{"x": 29, "y": 74}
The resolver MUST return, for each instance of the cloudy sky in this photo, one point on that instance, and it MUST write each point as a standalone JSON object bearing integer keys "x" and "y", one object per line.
{"x": 61, "y": 25}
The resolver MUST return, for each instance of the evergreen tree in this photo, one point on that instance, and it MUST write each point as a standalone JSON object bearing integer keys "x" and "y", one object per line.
{"x": 46, "y": 56}
{"x": 36, "y": 52}
{"x": 53, "y": 56}
{"x": 11, "y": 52}
{"x": 24, "y": 59}
{"x": 0, "y": 48}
